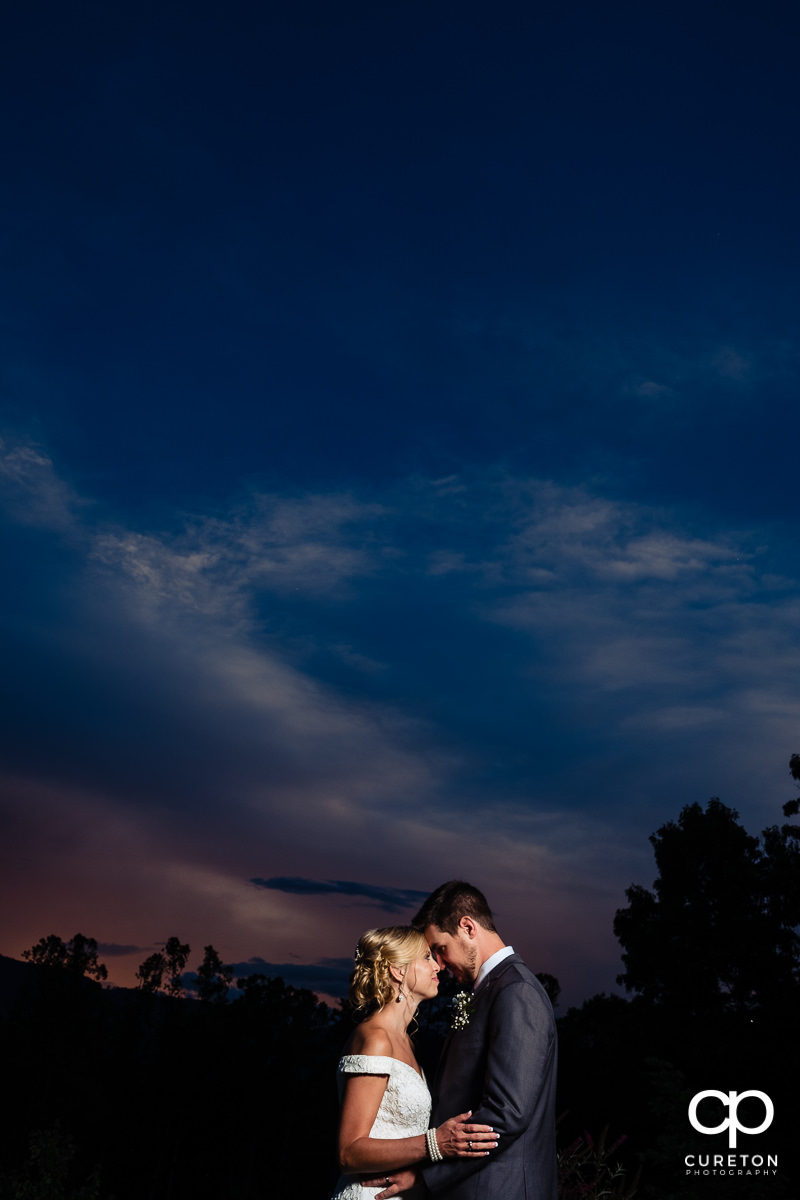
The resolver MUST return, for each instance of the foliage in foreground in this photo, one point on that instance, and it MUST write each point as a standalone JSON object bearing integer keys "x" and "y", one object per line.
{"x": 586, "y": 1171}
{"x": 49, "y": 1172}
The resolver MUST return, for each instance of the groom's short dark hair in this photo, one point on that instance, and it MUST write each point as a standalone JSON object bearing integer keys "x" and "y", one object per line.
{"x": 449, "y": 903}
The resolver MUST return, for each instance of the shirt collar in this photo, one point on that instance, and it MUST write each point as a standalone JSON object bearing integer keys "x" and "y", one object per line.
{"x": 490, "y": 964}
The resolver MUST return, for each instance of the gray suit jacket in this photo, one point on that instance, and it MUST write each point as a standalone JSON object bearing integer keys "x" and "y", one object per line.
{"x": 503, "y": 1067}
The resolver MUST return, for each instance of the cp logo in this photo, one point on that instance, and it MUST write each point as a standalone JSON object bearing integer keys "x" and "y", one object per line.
{"x": 731, "y": 1099}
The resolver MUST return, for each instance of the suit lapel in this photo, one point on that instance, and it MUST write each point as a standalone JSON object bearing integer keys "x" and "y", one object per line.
{"x": 442, "y": 1060}
{"x": 481, "y": 998}
{"x": 509, "y": 961}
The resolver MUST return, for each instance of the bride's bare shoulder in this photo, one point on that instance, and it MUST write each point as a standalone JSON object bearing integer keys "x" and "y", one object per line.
{"x": 369, "y": 1038}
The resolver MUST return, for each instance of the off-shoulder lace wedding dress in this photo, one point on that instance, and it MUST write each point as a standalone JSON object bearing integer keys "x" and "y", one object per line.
{"x": 404, "y": 1111}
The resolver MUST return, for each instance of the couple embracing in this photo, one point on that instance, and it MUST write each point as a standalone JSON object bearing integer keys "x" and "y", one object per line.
{"x": 486, "y": 1129}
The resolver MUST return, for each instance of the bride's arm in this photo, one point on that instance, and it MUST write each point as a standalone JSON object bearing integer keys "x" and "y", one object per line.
{"x": 360, "y": 1103}
{"x": 357, "y": 1150}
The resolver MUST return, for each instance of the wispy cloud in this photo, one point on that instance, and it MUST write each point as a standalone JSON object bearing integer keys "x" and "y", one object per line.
{"x": 299, "y": 686}
{"x": 33, "y": 491}
{"x": 217, "y": 565}
{"x": 392, "y": 900}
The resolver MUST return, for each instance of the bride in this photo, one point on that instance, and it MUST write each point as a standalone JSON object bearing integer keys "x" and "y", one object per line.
{"x": 385, "y": 1102}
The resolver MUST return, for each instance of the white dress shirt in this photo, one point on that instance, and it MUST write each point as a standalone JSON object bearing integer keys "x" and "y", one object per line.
{"x": 490, "y": 964}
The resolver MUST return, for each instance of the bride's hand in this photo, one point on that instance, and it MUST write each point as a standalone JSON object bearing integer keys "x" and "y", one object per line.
{"x": 457, "y": 1138}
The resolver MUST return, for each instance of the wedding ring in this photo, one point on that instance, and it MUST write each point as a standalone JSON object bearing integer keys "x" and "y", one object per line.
{"x": 470, "y": 1145}
{"x": 388, "y": 1184}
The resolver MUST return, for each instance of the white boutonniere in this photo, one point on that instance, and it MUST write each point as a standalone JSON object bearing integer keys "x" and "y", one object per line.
{"x": 463, "y": 1008}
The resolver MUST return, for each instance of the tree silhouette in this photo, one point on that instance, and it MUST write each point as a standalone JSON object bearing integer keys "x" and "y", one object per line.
{"x": 150, "y": 973}
{"x": 550, "y": 985}
{"x": 716, "y": 934}
{"x": 162, "y": 971}
{"x": 78, "y": 955}
{"x": 213, "y": 978}
{"x": 280, "y": 1006}
{"x": 792, "y": 808}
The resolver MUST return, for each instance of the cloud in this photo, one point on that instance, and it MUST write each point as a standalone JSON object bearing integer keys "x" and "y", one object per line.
{"x": 217, "y": 565}
{"x": 171, "y": 629}
{"x": 203, "y": 706}
{"x": 650, "y": 390}
{"x": 31, "y": 489}
{"x": 562, "y": 535}
{"x": 389, "y": 899}
{"x": 113, "y": 950}
{"x": 731, "y": 365}
{"x": 329, "y": 976}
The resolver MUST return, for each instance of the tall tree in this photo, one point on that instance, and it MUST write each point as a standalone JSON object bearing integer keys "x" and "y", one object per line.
{"x": 792, "y": 807}
{"x": 213, "y": 978}
{"x": 717, "y": 933}
{"x": 176, "y": 954}
{"x": 794, "y": 768}
{"x": 162, "y": 970}
{"x": 151, "y": 972}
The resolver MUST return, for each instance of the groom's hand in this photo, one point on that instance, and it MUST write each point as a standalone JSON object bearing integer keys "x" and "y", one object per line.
{"x": 399, "y": 1181}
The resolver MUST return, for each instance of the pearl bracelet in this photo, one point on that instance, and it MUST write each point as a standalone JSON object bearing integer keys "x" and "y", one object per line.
{"x": 433, "y": 1146}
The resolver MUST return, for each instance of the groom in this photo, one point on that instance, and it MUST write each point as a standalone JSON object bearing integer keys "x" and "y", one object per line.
{"x": 501, "y": 1063}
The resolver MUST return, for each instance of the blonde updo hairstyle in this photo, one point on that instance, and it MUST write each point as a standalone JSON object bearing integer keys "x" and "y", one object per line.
{"x": 371, "y": 984}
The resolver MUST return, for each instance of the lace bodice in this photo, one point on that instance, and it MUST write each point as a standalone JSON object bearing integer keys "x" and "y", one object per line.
{"x": 404, "y": 1110}
{"x": 406, "y": 1105}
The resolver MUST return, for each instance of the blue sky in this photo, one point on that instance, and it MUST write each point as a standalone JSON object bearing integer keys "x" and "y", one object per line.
{"x": 398, "y": 463}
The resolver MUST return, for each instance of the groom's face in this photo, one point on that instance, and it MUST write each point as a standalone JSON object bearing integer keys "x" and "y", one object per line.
{"x": 456, "y": 951}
